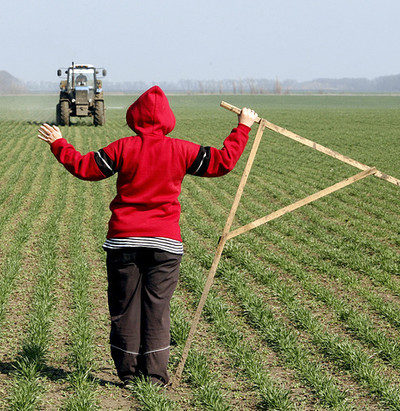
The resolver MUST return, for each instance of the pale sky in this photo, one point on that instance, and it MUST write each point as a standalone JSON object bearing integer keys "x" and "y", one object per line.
{"x": 171, "y": 39}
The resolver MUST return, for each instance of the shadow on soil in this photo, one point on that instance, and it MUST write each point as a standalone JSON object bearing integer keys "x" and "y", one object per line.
{"x": 53, "y": 374}
{"x": 39, "y": 123}
{"x": 53, "y": 123}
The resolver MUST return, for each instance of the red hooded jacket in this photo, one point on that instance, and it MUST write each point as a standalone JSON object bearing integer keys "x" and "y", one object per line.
{"x": 150, "y": 168}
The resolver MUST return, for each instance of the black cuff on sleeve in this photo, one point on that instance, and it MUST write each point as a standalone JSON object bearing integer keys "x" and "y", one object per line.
{"x": 201, "y": 162}
{"x": 104, "y": 162}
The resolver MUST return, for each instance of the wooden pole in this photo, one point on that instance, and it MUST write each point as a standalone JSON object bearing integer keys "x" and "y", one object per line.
{"x": 218, "y": 253}
{"x": 301, "y": 203}
{"x": 316, "y": 146}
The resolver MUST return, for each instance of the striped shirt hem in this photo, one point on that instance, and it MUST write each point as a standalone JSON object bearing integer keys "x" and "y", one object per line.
{"x": 162, "y": 243}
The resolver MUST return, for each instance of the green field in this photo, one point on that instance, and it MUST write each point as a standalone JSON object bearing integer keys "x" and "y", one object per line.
{"x": 304, "y": 312}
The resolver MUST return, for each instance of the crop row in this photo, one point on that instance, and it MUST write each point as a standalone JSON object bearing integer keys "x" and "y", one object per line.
{"x": 81, "y": 328}
{"x": 281, "y": 339}
{"x": 332, "y": 212}
{"x": 204, "y": 382}
{"x": 387, "y": 394}
{"x": 295, "y": 242}
{"x": 242, "y": 356}
{"x": 31, "y": 364}
{"x": 12, "y": 260}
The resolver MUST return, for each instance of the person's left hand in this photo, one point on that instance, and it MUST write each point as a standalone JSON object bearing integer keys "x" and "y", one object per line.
{"x": 49, "y": 134}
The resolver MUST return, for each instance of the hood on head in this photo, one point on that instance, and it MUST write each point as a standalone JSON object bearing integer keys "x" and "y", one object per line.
{"x": 151, "y": 113}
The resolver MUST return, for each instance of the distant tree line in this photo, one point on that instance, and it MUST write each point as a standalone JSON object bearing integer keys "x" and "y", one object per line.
{"x": 383, "y": 84}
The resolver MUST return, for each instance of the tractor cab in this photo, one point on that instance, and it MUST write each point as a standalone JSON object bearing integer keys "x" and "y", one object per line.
{"x": 81, "y": 81}
{"x": 84, "y": 77}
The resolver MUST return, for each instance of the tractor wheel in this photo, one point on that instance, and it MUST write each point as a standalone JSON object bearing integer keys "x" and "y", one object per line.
{"x": 99, "y": 118}
{"x": 64, "y": 113}
{"x": 58, "y": 114}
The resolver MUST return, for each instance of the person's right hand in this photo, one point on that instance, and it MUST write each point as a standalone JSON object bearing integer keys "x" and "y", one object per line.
{"x": 49, "y": 134}
{"x": 247, "y": 116}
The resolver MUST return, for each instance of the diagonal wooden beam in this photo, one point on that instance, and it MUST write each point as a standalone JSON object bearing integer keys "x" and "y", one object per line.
{"x": 301, "y": 203}
{"x": 315, "y": 146}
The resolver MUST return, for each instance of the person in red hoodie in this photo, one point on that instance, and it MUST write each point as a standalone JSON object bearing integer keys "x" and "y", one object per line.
{"x": 144, "y": 245}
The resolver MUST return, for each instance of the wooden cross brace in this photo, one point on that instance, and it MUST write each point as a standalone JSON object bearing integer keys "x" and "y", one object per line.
{"x": 227, "y": 234}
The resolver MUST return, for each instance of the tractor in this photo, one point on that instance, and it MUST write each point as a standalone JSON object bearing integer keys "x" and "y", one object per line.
{"x": 81, "y": 94}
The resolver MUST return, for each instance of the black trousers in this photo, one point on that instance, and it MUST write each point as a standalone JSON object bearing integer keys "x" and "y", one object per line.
{"x": 141, "y": 282}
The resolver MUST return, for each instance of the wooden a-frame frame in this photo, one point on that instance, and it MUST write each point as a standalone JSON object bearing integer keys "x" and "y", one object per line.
{"x": 227, "y": 234}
